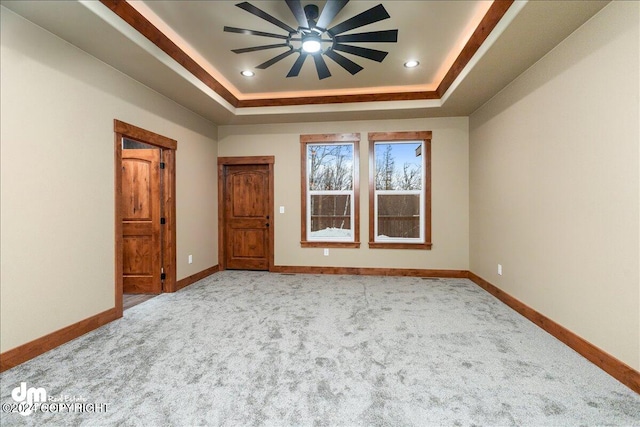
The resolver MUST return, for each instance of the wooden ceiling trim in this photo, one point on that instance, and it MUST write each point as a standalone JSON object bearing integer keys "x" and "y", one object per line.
{"x": 338, "y": 99}
{"x": 488, "y": 23}
{"x": 134, "y": 18}
{"x": 141, "y": 24}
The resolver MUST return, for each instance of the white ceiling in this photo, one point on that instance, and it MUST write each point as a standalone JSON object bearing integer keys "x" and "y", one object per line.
{"x": 433, "y": 32}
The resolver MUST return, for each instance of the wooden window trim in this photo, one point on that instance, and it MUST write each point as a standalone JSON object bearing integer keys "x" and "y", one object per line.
{"x": 326, "y": 139}
{"x": 424, "y": 136}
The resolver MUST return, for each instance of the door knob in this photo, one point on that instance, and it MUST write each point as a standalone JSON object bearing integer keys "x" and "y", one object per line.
{"x": 267, "y": 224}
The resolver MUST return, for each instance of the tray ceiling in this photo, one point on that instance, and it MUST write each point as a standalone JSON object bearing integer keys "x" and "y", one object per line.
{"x": 468, "y": 50}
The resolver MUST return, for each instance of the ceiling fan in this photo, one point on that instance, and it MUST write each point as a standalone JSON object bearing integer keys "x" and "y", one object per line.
{"x": 314, "y": 31}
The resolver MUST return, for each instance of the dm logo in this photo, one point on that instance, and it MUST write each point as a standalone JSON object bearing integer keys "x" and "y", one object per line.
{"x": 28, "y": 396}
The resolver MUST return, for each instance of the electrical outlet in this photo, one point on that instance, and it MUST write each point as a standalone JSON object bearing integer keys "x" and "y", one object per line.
{"x": 326, "y": 252}
{"x": 500, "y": 269}
{"x": 190, "y": 259}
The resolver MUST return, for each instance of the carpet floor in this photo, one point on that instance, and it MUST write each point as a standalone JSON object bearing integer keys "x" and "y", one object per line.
{"x": 254, "y": 348}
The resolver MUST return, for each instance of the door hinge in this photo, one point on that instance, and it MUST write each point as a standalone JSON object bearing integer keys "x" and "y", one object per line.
{"x": 163, "y": 221}
{"x": 161, "y": 165}
{"x": 163, "y": 275}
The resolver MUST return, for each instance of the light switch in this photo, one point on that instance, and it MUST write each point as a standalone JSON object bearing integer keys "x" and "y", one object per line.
{"x": 281, "y": 209}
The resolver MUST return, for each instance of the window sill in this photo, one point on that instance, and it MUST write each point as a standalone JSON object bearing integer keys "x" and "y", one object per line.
{"x": 307, "y": 244}
{"x": 380, "y": 245}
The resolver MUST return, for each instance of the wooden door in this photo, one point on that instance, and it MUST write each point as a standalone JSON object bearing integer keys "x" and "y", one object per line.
{"x": 247, "y": 221}
{"x": 141, "y": 264}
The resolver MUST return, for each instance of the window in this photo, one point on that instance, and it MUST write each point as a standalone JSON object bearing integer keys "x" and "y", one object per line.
{"x": 400, "y": 190}
{"x": 330, "y": 193}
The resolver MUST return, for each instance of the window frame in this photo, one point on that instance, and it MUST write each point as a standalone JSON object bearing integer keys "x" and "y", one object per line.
{"x": 399, "y": 137}
{"x": 330, "y": 139}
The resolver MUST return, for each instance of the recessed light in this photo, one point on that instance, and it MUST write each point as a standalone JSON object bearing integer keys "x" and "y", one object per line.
{"x": 411, "y": 64}
{"x": 248, "y": 73}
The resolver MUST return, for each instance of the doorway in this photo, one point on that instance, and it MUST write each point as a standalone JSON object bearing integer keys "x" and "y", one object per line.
{"x": 145, "y": 212}
{"x": 245, "y": 213}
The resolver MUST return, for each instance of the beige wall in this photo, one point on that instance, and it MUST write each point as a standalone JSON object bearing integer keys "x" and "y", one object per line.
{"x": 57, "y": 174}
{"x": 449, "y": 191}
{"x": 554, "y": 184}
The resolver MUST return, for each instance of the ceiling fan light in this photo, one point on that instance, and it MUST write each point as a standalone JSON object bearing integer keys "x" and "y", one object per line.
{"x": 411, "y": 64}
{"x": 311, "y": 44}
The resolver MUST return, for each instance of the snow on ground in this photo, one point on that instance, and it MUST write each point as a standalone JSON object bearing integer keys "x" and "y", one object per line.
{"x": 332, "y": 232}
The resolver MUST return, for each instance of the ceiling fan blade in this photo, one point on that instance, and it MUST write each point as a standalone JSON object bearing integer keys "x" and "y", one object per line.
{"x": 253, "y": 49}
{"x": 264, "y": 15}
{"x": 297, "y": 66}
{"x": 389, "y": 36}
{"x": 321, "y": 67}
{"x": 344, "y": 62}
{"x": 275, "y": 59}
{"x": 329, "y": 11}
{"x": 296, "y": 8}
{"x": 374, "y": 55}
{"x": 375, "y": 14}
{"x": 254, "y": 33}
